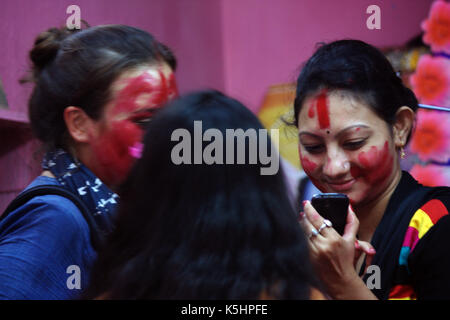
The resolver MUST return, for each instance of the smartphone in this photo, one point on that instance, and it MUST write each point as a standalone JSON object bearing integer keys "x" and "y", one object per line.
{"x": 332, "y": 206}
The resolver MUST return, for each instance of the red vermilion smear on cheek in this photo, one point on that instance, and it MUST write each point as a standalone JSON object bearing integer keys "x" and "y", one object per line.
{"x": 375, "y": 165}
{"x": 309, "y": 167}
{"x": 112, "y": 151}
{"x": 322, "y": 110}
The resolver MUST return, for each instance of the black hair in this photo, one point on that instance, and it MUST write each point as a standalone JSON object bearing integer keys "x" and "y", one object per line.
{"x": 359, "y": 68}
{"x": 198, "y": 231}
{"x": 77, "y": 68}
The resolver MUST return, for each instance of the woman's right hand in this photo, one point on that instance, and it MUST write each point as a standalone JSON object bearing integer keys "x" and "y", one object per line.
{"x": 333, "y": 255}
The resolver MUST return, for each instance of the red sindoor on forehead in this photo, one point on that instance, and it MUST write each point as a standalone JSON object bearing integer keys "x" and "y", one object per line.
{"x": 160, "y": 91}
{"x": 322, "y": 110}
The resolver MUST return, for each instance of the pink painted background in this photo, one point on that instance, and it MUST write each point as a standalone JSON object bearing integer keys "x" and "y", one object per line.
{"x": 238, "y": 46}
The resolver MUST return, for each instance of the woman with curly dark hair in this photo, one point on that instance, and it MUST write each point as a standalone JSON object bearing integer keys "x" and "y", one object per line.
{"x": 203, "y": 231}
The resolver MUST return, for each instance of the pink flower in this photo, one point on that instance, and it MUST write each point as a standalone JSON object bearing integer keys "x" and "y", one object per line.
{"x": 431, "y": 81}
{"x": 431, "y": 139}
{"x": 431, "y": 175}
{"x": 437, "y": 27}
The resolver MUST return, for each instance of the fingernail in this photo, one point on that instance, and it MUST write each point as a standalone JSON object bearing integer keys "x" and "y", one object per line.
{"x": 372, "y": 251}
{"x": 301, "y": 215}
{"x": 356, "y": 244}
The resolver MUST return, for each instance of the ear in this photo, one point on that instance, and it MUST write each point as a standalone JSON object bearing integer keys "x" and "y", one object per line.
{"x": 78, "y": 123}
{"x": 404, "y": 121}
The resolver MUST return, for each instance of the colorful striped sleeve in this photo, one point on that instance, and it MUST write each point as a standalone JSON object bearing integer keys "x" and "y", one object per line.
{"x": 422, "y": 221}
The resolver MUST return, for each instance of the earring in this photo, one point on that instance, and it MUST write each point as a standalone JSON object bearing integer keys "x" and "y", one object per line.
{"x": 402, "y": 153}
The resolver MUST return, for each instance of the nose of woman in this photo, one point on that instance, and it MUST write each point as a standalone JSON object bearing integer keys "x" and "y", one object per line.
{"x": 337, "y": 165}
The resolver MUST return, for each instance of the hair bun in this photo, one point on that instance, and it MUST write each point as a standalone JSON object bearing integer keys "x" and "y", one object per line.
{"x": 46, "y": 47}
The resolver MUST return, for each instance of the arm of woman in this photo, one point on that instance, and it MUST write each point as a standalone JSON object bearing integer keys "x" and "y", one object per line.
{"x": 429, "y": 260}
{"x": 38, "y": 242}
{"x": 333, "y": 256}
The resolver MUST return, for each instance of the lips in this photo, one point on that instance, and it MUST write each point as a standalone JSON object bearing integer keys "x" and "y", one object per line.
{"x": 341, "y": 185}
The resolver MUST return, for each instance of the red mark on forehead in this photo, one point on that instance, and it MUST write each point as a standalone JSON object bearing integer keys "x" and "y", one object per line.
{"x": 155, "y": 90}
{"x": 322, "y": 110}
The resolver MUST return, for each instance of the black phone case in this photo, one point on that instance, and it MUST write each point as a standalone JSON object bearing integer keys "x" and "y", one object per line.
{"x": 332, "y": 206}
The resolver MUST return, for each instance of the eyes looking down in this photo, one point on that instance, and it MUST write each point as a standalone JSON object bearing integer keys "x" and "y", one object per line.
{"x": 344, "y": 146}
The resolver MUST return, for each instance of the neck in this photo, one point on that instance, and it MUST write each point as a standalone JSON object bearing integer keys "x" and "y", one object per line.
{"x": 371, "y": 213}
{"x": 47, "y": 173}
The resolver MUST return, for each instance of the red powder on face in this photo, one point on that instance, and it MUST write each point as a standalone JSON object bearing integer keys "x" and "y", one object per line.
{"x": 112, "y": 151}
{"x": 375, "y": 165}
{"x": 112, "y": 148}
{"x": 322, "y": 110}
{"x": 308, "y": 165}
{"x": 159, "y": 91}
{"x": 311, "y": 112}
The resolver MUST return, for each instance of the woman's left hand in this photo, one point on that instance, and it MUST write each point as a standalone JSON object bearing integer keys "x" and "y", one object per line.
{"x": 333, "y": 255}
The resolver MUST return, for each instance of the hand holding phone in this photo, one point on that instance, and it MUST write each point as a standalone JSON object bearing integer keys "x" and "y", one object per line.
{"x": 334, "y": 207}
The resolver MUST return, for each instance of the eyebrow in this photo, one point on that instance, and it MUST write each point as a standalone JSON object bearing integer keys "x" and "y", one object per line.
{"x": 337, "y": 135}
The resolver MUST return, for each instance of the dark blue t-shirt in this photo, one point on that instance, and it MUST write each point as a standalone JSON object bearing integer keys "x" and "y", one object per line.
{"x": 45, "y": 249}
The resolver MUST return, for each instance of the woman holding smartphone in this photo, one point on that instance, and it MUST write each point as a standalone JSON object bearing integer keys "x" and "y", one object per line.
{"x": 354, "y": 117}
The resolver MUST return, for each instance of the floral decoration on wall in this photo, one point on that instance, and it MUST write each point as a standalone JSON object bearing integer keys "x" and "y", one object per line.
{"x": 429, "y": 150}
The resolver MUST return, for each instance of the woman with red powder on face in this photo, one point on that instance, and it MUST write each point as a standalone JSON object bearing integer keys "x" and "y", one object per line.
{"x": 354, "y": 117}
{"x": 94, "y": 90}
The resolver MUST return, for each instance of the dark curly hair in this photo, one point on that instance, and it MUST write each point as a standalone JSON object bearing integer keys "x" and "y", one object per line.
{"x": 360, "y": 69}
{"x": 77, "y": 68}
{"x": 198, "y": 231}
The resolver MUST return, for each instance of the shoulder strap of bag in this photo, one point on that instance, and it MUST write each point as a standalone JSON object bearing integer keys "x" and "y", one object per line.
{"x": 97, "y": 237}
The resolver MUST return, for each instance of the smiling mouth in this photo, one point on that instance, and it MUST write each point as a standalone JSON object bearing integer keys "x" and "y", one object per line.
{"x": 341, "y": 186}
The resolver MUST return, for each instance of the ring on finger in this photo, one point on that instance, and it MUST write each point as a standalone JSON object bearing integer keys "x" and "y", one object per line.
{"x": 326, "y": 224}
{"x": 314, "y": 233}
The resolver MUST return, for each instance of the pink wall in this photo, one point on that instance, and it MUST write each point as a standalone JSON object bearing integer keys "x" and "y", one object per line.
{"x": 191, "y": 27}
{"x": 238, "y": 46}
{"x": 266, "y": 41}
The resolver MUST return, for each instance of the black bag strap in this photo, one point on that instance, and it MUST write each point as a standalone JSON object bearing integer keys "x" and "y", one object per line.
{"x": 97, "y": 237}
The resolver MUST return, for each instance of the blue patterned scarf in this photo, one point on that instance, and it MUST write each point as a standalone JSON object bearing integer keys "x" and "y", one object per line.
{"x": 78, "y": 179}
